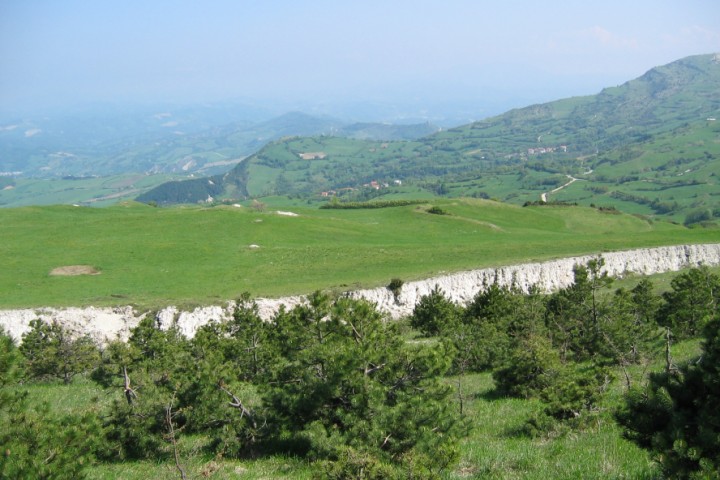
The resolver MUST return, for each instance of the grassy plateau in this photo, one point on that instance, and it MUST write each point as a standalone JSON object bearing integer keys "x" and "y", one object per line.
{"x": 152, "y": 257}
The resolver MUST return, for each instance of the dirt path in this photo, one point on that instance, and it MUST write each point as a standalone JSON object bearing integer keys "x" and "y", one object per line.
{"x": 543, "y": 196}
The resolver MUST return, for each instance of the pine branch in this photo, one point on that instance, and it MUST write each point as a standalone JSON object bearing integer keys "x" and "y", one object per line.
{"x": 236, "y": 403}
{"x": 130, "y": 394}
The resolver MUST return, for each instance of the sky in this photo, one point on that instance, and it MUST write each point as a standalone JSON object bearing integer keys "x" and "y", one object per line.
{"x": 62, "y": 53}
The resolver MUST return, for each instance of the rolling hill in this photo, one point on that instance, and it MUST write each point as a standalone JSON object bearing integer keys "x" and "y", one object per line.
{"x": 649, "y": 146}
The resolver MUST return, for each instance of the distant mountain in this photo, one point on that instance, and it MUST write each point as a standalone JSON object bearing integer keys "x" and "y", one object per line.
{"x": 649, "y": 146}
{"x": 384, "y": 131}
{"x": 200, "y": 140}
{"x": 661, "y": 100}
{"x": 108, "y": 139}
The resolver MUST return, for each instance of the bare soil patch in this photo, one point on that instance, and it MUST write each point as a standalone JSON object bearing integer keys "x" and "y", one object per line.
{"x": 71, "y": 270}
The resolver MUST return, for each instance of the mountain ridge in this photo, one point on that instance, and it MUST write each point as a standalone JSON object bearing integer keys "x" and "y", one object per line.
{"x": 519, "y": 155}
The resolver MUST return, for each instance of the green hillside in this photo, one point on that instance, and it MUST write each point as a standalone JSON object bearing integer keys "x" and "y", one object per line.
{"x": 649, "y": 146}
{"x": 193, "y": 255}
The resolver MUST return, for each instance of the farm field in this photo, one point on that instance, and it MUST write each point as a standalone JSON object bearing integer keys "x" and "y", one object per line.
{"x": 153, "y": 257}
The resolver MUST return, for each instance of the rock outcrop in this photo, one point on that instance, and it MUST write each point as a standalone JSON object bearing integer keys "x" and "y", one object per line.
{"x": 105, "y": 324}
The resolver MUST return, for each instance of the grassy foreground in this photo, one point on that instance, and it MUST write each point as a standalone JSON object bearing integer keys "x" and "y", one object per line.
{"x": 152, "y": 257}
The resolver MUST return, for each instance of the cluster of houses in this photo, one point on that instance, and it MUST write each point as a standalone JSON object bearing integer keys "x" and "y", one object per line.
{"x": 375, "y": 185}
{"x": 331, "y": 193}
{"x": 313, "y": 155}
{"x": 541, "y": 150}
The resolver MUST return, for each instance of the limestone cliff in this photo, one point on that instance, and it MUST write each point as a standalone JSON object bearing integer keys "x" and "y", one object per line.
{"x": 105, "y": 324}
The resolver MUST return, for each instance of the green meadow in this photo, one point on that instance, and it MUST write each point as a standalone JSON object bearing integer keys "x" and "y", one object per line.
{"x": 151, "y": 257}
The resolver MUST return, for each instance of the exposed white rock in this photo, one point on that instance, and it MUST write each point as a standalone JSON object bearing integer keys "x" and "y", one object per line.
{"x": 105, "y": 324}
{"x": 188, "y": 322}
{"x": 102, "y": 324}
{"x": 548, "y": 276}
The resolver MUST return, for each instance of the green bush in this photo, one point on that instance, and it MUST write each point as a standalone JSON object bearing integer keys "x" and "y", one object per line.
{"x": 437, "y": 211}
{"x": 395, "y": 286}
{"x": 51, "y": 350}
{"x": 354, "y": 392}
{"x": 531, "y": 367}
{"x": 693, "y": 301}
{"x": 36, "y": 443}
{"x": 435, "y": 313}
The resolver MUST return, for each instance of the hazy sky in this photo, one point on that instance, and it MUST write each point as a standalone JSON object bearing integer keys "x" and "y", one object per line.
{"x": 71, "y": 51}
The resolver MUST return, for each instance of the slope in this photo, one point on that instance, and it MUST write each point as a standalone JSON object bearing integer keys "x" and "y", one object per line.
{"x": 638, "y": 128}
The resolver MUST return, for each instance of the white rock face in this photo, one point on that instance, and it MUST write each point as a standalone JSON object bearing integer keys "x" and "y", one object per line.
{"x": 102, "y": 324}
{"x": 548, "y": 276}
{"x": 105, "y": 324}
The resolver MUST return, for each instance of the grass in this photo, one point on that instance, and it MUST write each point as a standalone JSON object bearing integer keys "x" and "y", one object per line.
{"x": 152, "y": 257}
{"x": 202, "y": 466}
{"x": 496, "y": 449}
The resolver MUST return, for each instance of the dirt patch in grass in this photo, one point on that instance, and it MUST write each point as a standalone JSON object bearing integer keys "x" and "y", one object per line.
{"x": 71, "y": 270}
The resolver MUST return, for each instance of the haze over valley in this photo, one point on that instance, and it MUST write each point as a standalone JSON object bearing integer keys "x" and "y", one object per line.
{"x": 373, "y": 240}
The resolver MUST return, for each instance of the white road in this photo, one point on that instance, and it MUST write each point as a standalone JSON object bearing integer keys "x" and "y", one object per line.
{"x": 543, "y": 196}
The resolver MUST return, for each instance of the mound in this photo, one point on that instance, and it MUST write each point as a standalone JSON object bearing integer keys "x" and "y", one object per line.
{"x": 69, "y": 270}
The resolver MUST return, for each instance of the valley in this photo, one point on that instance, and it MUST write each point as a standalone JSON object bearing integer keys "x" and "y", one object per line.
{"x": 359, "y": 240}
{"x": 649, "y": 147}
{"x": 199, "y": 250}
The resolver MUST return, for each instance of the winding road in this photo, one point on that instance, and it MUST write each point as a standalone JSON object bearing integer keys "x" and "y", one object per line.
{"x": 543, "y": 196}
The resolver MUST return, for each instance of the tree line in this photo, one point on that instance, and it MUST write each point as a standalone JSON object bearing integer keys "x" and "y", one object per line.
{"x": 335, "y": 382}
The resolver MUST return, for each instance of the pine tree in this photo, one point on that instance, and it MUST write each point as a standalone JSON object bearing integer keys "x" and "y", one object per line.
{"x": 52, "y": 350}
{"x": 354, "y": 389}
{"x": 36, "y": 443}
{"x": 692, "y": 302}
{"x": 435, "y": 313}
{"x": 677, "y": 416}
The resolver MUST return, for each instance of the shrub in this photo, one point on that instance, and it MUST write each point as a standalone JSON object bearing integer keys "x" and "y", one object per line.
{"x": 532, "y": 366}
{"x": 35, "y": 442}
{"x": 437, "y": 211}
{"x": 435, "y": 313}
{"x": 395, "y": 286}
{"x": 356, "y": 395}
{"x": 51, "y": 350}
{"x": 692, "y": 302}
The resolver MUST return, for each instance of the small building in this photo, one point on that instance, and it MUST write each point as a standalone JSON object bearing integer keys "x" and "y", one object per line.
{"x": 313, "y": 155}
